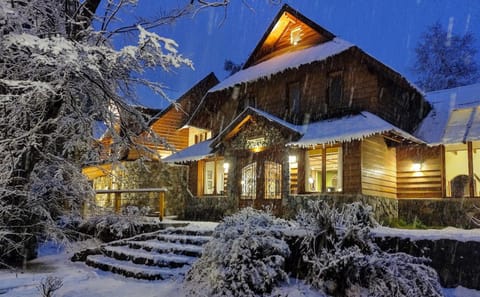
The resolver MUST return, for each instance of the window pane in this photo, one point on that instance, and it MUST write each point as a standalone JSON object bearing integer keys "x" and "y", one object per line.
{"x": 220, "y": 182}
{"x": 334, "y": 173}
{"x": 313, "y": 180}
{"x": 249, "y": 181}
{"x": 456, "y": 170}
{"x": 209, "y": 177}
{"x": 476, "y": 168}
{"x": 273, "y": 180}
{"x": 293, "y": 172}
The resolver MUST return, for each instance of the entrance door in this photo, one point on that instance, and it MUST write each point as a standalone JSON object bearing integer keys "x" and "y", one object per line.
{"x": 261, "y": 185}
{"x": 249, "y": 181}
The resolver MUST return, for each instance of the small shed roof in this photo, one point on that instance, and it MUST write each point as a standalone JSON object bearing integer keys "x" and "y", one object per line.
{"x": 454, "y": 118}
{"x": 195, "y": 152}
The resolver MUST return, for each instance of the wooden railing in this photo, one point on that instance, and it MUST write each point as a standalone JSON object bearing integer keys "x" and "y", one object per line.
{"x": 118, "y": 195}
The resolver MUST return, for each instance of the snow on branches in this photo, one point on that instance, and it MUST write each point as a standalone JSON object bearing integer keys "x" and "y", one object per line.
{"x": 245, "y": 258}
{"x": 345, "y": 261}
{"x": 58, "y": 78}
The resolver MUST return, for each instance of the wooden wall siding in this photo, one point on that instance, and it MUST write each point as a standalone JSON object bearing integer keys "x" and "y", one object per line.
{"x": 352, "y": 167}
{"x": 280, "y": 45}
{"x": 379, "y": 168}
{"x": 366, "y": 87}
{"x": 360, "y": 91}
{"x": 277, "y": 38}
{"x": 168, "y": 128}
{"x": 400, "y": 106}
{"x": 426, "y": 183}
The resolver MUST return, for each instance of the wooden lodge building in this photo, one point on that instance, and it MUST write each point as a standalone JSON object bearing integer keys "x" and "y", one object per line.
{"x": 312, "y": 116}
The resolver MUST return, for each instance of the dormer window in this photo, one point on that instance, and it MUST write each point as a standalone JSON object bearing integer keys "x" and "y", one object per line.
{"x": 296, "y": 35}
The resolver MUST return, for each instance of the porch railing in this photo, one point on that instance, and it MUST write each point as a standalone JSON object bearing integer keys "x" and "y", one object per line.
{"x": 118, "y": 195}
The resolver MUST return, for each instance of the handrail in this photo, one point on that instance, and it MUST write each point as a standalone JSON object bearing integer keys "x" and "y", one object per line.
{"x": 118, "y": 193}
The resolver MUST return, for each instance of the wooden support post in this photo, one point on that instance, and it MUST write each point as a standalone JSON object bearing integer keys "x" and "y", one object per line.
{"x": 324, "y": 170}
{"x": 118, "y": 201}
{"x": 161, "y": 205}
{"x": 470, "y": 169}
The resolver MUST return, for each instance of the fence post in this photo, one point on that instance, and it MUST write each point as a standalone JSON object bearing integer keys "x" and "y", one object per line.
{"x": 118, "y": 202}
{"x": 161, "y": 205}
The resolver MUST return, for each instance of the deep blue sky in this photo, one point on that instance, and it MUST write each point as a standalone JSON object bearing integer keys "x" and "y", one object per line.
{"x": 386, "y": 29}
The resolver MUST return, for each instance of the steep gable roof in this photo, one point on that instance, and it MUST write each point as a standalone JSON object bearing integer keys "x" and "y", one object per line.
{"x": 244, "y": 117}
{"x": 189, "y": 100}
{"x": 289, "y": 31}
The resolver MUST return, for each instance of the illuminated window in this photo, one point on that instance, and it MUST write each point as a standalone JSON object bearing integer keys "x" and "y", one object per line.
{"x": 273, "y": 180}
{"x": 249, "y": 181}
{"x": 215, "y": 177}
{"x": 293, "y": 171}
{"x": 200, "y": 137}
{"x": 456, "y": 171}
{"x": 324, "y": 166}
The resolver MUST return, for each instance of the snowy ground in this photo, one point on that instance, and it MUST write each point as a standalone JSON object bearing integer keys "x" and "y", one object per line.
{"x": 80, "y": 280}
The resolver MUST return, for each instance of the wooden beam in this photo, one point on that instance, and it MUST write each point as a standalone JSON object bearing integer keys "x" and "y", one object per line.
{"x": 118, "y": 202}
{"x": 161, "y": 205}
{"x": 470, "y": 169}
{"x": 442, "y": 171}
{"x": 324, "y": 170}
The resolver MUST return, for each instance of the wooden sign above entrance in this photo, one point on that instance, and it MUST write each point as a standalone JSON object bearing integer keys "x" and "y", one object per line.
{"x": 256, "y": 143}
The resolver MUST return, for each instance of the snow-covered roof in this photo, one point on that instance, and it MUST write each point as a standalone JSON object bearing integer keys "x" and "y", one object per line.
{"x": 283, "y": 62}
{"x": 195, "y": 152}
{"x": 249, "y": 111}
{"x": 348, "y": 128}
{"x": 270, "y": 118}
{"x": 454, "y": 118}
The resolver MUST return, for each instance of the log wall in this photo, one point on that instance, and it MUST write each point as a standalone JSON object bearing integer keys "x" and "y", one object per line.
{"x": 379, "y": 168}
{"x": 352, "y": 167}
{"x": 424, "y": 183}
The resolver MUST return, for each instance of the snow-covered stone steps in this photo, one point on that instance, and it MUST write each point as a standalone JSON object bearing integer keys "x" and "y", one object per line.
{"x": 184, "y": 239}
{"x": 167, "y": 247}
{"x": 130, "y": 269}
{"x": 144, "y": 257}
{"x": 156, "y": 255}
{"x": 188, "y": 232}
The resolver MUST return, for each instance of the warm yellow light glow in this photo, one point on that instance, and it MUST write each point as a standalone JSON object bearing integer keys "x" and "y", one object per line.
{"x": 296, "y": 35}
{"x": 292, "y": 159}
{"x": 417, "y": 166}
{"x": 310, "y": 180}
{"x": 226, "y": 166}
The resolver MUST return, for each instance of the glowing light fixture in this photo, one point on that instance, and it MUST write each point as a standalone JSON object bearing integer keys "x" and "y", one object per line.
{"x": 292, "y": 159}
{"x": 226, "y": 166}
{"x": 310, "y": 180}
{"x": 296, "y": 35}
{"x": 417, "y": 166}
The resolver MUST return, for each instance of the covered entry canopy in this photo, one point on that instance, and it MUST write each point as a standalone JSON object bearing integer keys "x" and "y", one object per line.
{"x": 348, "y": 128}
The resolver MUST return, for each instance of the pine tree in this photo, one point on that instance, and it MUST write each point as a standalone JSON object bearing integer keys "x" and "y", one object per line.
{"x": 445, "y": 60}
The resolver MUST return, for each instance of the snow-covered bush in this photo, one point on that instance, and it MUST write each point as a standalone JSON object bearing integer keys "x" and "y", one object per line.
{"x": 245, "y": 257}
{"x": 344, "y": 261}
{"x": 109, "y": 227}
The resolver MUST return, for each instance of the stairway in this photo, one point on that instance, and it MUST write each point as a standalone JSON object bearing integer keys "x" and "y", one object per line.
{"x": 158, "y": 255}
